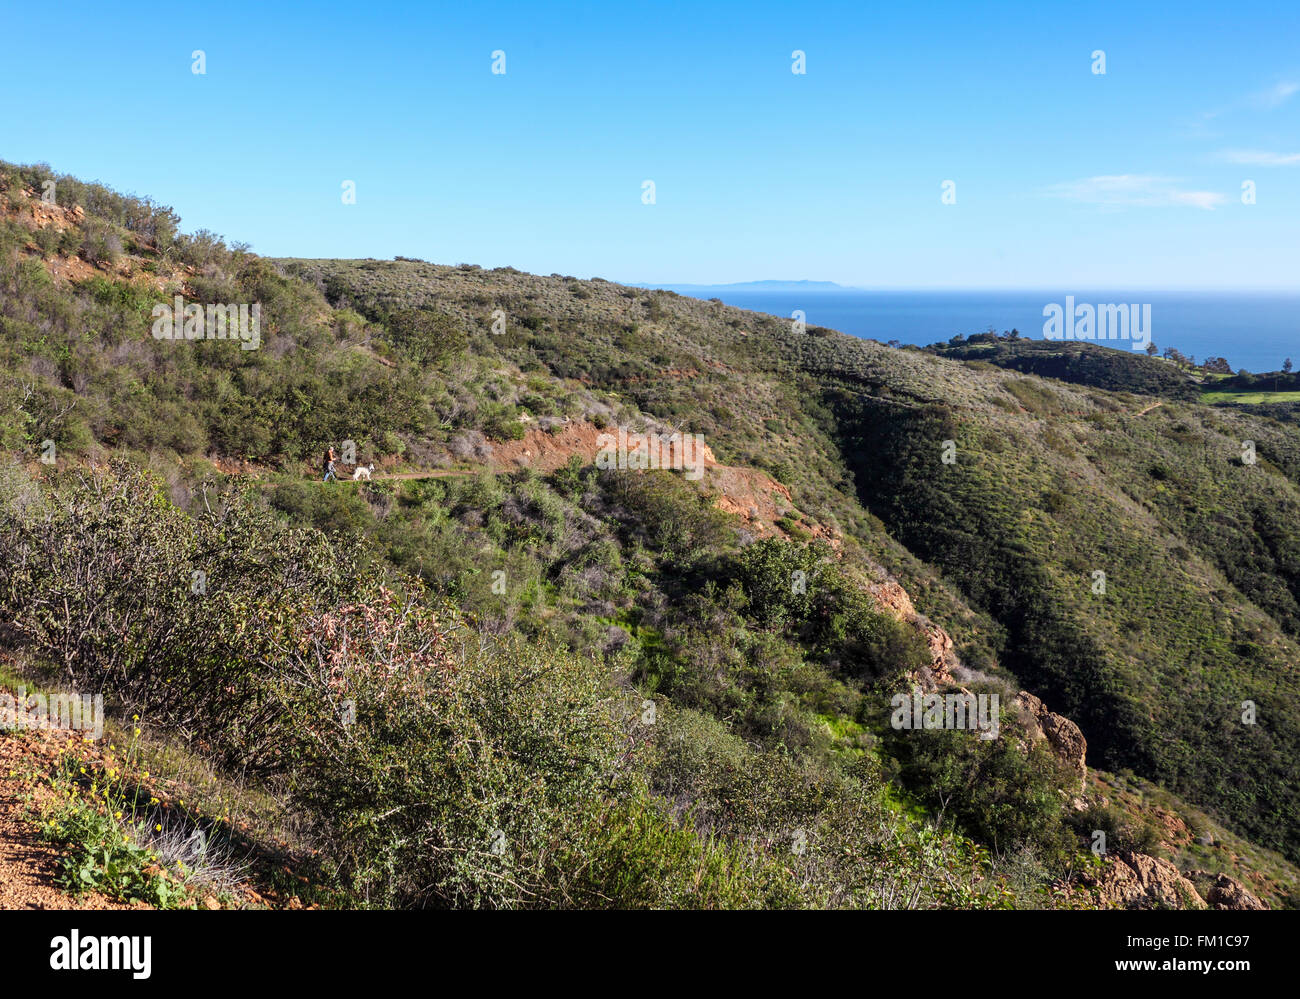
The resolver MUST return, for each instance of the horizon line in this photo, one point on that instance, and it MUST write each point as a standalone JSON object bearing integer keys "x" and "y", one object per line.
{"x": 1196, "y": 289}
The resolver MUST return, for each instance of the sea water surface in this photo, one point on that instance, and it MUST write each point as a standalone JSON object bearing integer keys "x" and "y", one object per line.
{"x": 1253, "y": 331}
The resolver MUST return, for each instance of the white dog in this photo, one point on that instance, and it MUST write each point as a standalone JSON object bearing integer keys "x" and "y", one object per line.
{"x": 362, "y": 472}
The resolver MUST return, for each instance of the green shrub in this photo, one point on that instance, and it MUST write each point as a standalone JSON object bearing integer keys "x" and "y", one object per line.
{"x": 101, "y": 581}
{"x": 47, "y": 239}
{"x": 993, "y": 789}
{"x": 427, "y": 337}
{"x": 669, "y": 514}
{"x": 103, "y": 841}
{"x": 100, "y": 245}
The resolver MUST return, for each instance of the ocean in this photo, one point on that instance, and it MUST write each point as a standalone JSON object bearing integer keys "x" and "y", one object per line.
{"x": 1253, "y": 331}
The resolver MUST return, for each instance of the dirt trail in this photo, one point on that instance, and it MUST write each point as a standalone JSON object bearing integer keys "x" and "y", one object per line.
{"x": 404, "y": 476}
{"x": 440, "y": 474}
{"x": 1154, "y": 405}
{"x": 753, "y": 496}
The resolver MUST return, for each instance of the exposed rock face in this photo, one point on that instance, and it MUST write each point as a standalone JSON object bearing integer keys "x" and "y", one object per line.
{"x": 893, "y": 600}
{"x": 1062, "y": 735}
{"x": 1229, "y": 893}
{"x": 1136, "y": 881}
{"x": 1173, "y": 828}
{"x": 942, "y": 657}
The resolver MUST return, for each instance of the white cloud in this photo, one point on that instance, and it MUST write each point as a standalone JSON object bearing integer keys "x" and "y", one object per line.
{"x": 1198, "y": 199}
{"x": 1134, "y": 190}
{"x": 1258, "y": 157}
{"x": 1266, "y": 99}
{"x": 1275, "y": 95}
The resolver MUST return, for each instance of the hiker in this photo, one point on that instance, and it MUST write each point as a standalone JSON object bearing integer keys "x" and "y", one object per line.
{"x": 329, "y": 465}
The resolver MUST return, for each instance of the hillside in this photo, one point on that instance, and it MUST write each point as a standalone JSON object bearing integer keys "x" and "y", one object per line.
{"x": 1080, "y": 363}
{"x": 947, "y": 513}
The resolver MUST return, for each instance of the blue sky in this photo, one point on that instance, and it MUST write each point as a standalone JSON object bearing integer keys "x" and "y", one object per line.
{"x": 1064, "y": 178}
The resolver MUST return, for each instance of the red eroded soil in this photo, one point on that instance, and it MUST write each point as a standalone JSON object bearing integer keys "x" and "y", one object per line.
{"x": 754, "y": 496}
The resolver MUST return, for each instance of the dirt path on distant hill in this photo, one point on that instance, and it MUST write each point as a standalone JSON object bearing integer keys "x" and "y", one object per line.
{"x": 405, "y": 476}
{"x": 27, "y": 863}
{"x": 1154, "y": 405}
{"x": 752, "y": 495}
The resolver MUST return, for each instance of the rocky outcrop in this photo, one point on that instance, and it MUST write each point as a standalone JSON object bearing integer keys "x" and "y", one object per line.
{"x": 1224, "y": 892}
{"x": 893, "y": 600}
{"x": 1136, "y": 881}
{"x": 943, "y": 658}
{"x": 1173, "y": 830}
{"x": 1062, "y": 735}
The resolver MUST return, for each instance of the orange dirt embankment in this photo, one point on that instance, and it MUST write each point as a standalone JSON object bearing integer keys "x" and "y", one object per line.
{"x": 753, "y": 496}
